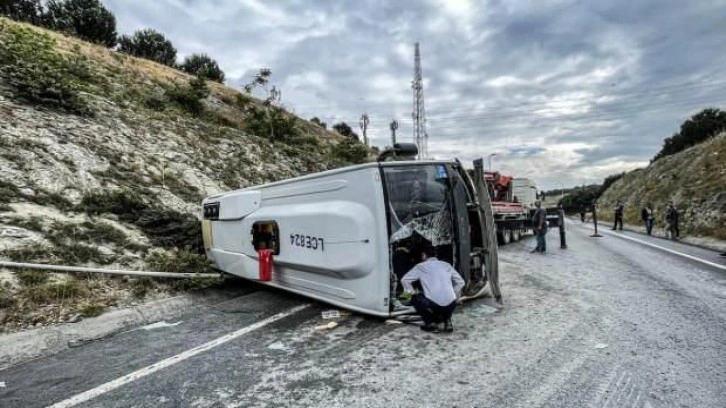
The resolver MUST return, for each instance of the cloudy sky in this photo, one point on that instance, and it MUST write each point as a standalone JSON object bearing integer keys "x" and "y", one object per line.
{"x": 562, "y": 91}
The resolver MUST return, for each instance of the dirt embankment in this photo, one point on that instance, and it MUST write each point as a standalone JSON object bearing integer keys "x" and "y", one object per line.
{"x": 104, "y": 160}
{"x": 694, "y": 179}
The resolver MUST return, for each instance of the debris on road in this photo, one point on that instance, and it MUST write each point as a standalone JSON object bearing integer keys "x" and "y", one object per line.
{"x": 159, "y": 325}
{"x": 75, "y": 318}
{"x": 331, "y": 314}
{"x": 600, "y": 346}
{"x": 391, "y": 322}
{"x": 2, "y": 384}
{"x": 278, "y": 346}
{"x": 328, "y": 326}
{"x": 481, "y": 310}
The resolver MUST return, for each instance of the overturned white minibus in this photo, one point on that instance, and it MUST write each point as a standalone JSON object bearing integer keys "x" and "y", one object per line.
{"x": 347, "y": 236}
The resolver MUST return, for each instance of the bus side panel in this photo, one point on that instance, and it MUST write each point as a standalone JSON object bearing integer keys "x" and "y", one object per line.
{"x": 332, "y": 240}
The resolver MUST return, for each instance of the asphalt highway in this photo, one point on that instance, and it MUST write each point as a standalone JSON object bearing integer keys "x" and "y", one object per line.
{"x": 607, "y": 322}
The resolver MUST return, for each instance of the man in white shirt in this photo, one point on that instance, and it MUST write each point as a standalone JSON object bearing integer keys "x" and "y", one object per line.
{"x": 441, "y": 285}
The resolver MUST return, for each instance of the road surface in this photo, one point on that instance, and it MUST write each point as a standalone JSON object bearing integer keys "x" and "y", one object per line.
{"x": 606, "y": 323}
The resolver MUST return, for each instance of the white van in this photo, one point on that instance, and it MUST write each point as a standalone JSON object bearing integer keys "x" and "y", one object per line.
{"x": 347, "y": 236}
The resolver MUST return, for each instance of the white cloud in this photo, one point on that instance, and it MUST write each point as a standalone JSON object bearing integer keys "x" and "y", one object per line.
{"x": 560, "y": 89}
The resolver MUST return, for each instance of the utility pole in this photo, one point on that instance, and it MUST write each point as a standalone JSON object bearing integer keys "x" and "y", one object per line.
{"x": 394, "y": 126}
{"x": 364, "y": 127}
{"x": 420, "y": 137}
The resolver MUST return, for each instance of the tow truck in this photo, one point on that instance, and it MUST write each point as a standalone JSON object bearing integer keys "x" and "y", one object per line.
{"x": 347, "y": 236}
{"x": 513, "y": 205}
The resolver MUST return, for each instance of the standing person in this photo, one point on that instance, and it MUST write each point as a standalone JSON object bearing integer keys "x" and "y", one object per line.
{"x": 671, "y": 221}
{"x": 441, "y": 285}
{"x": 618, "y": 215}
{"x": 647, "y": 215}
{"x": 539, "y": 225}
{"x": 582, "y": 214}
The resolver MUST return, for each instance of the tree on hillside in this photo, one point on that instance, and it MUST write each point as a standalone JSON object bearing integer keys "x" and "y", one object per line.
{"x": 22, "y": 10}
{"x": 86, "y": 19}
{"x": 261, "y": 79}
{"x": 581, "y": 198}
{"x": 348, "y": 151}
{"x": 319, "y": 122}
{"x": 149, "y": 44}
{"x": 204, "y": 66}
{"x": 345, "y": 130}
{"x": 700, "y": 127}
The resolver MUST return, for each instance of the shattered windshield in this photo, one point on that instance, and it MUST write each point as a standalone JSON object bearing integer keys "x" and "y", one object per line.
{"x": 418, "y": 200}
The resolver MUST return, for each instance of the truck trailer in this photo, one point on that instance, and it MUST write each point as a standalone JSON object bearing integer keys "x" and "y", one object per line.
{"x": 513, "y": 205}
{"x": 347, "y": 236}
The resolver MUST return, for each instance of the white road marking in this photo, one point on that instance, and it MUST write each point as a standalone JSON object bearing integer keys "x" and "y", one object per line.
{"x": 691, "y": 257}
{"x": 112, "y": 385}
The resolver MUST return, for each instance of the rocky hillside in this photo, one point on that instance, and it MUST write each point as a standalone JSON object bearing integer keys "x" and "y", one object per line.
{"x": 104, "y": 158}
{"x": 695, "y": 179}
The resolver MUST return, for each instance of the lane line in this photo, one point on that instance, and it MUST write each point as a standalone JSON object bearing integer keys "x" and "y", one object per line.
{"x": 691, "y": 257}
{"x": 112, "y": 385}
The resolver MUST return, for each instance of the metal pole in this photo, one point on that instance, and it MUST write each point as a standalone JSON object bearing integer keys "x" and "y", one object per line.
{"x": 62, "y": 268}
{"x": 364, "y": 127}
{"x": 561, "y": 219}
{"x": 394, "y": 126}
{"x": 594, "y": 220}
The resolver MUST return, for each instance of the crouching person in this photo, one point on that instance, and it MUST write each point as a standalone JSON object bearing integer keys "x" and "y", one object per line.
{"x": 441, "y": 285}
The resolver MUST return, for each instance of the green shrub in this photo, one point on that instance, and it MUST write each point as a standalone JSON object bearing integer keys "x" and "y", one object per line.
{"x": 149, "y": 44}
{"x": 47, "y": 293}
{"x": 271, "y": 122}
{"x": 22, "y": 10}
{"x": 140, "y": 287}
{"x": 165, "y": 228}
{"x": 85, "y": 19}
{"x": 32, "y": 277}
{"x": 156, "y": 99}
{"x": 204, "y": 66}
{"x": 36, "y": 72}
{"x": 75, "y": 253}
{"x": 189, "y": 97}
{"x": 348, "y": 151}
{"x": 61, "y": 233}
{"x": 91, "y": 310}
{"x": 125, "y": 203}
{"x": 6, "y": 299}
{"x": 177, "y": 261}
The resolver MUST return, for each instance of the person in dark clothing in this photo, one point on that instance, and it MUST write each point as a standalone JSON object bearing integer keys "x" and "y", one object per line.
{"x": 582, "y": 214}
{"x": 647, "y": 215}
{"x": 442, "y": 287}
{"x": 672, "y": 221}
{"x": 539, "y": 225}
{"x": 618, "y": 216}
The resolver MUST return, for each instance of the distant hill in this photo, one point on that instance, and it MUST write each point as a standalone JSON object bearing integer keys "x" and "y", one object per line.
{"x": 695, "y": 179}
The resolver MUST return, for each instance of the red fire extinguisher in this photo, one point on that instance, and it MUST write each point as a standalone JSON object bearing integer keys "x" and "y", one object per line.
{"x": 265, "y": 257}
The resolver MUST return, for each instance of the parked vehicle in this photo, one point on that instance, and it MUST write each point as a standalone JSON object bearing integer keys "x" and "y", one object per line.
{"x": 513, "y": 205}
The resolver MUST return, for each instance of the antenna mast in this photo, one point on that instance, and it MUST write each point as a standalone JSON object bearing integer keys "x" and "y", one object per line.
{"x": 420, "y": 137}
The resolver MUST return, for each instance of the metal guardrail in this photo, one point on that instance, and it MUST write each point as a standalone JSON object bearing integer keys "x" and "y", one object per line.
{"x": 62, "y": 268}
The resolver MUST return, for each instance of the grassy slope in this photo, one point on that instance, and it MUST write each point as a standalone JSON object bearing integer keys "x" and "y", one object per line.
{"x": 60, "y": 175}
{"x": 695, "y": 179}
